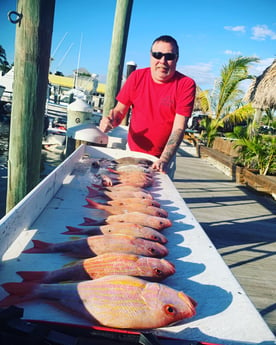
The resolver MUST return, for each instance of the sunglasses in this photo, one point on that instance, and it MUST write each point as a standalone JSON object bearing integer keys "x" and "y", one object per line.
{"x": 168, "y": 56}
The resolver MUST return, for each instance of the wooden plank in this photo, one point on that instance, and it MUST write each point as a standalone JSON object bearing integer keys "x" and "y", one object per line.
{"x": 241, "y": 224}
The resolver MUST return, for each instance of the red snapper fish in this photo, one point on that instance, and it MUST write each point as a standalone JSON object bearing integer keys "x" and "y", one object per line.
{"x": 122, "y": 163}
{"x": 119, "y": 187}
{"x": 118, "y": 194}
{"x": 140, "y": 174}
{"x": 153, "y": 269}
{"x": 137, "y": 178}
{"x": 133, "y": 167}
{"x": 143, "y": 219}
{"x": 131, "y": 229}
{"x": 127, "y": 201}
{"x": 117, "y": 301}
{"x": 133, "y": 160}
{"x": 100, "y": 244}
{"x": 131, "y": 207}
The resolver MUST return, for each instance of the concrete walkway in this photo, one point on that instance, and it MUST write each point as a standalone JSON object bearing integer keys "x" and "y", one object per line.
{"x": 240, "y": 222}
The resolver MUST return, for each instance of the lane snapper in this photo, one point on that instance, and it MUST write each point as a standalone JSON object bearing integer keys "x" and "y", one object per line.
{"x": 119, "y": 187}
{"x": 134, "y": 160}
{"x": 131, "y": 207}
{"x": 117, "y": 301}
{"x": 131, "y": 229}
{"x": 100, "y": 244}
{"x": 139, "y": 179}
{"x": 143, "y": 219}
{"x": 152, "y": 269}
{"x": 118, "y": 194}
{"x": 127, "y": 201}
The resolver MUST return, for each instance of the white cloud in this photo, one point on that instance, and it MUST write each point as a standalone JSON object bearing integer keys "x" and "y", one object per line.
{"x": 238, "y": 28}
{"x": 258, "y": 68}
{"x": 205, "y": 75}
{"x": 255, "y": 69}
{"x": 202, "y": 74}
{"x": 231, "y": 52}
{"x": 261, "y": 32}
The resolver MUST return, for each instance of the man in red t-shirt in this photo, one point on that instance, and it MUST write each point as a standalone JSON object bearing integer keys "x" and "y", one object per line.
{"x": 161, "y": 100}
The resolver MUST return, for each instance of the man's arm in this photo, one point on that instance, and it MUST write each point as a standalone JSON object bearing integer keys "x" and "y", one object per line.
{"x": 175, "y": 138}
{"x": 114, "y": 117}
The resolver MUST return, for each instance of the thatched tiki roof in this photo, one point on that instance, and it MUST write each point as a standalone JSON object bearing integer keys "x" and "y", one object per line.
{"x": 197, "y": 104}
{"x": 262, "y": 91}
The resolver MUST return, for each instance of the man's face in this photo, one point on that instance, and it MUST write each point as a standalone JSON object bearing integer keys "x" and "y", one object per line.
{"x": 162, "y": 69}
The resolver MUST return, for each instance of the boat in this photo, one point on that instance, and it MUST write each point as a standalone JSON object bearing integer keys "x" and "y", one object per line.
{"x": 225, "y": 315}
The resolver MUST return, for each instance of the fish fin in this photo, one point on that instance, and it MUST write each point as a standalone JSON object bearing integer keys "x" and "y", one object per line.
{"x": 88, "y": 206}
{"x": 194, "y": 303}
{"x": 72, "y": 230}
{"x": 113, "y": 171}
{"x": 94, "y": 185}
{"x": 39, "y": 247}
{"x": 94, "y": 204}
{"x": 90, "y": 221}
{"x": 93, "y": 192}
{"x": 19, "y": 292}
{"x": 36, "y": 276}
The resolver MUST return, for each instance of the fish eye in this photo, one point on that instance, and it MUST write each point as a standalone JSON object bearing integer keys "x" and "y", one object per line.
{"x": 169, "y": 309}
{"x": 158, "y": 272}
{"x": 155, "y": 238}
{"x": 152, "y": 250}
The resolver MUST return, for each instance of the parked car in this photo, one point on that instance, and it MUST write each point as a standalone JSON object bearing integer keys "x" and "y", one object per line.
{"x": 194, "y": 122}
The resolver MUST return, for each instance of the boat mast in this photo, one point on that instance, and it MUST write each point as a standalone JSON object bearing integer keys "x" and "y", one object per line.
{"x": 78, "y": 65}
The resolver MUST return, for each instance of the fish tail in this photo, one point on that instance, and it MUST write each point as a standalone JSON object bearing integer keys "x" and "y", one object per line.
{"x": 94, "y": 204}
{"x": 72, "y": 230}
{"x": 91, "y": 221}
{"x": 36, "y": 276}
{"x": 113, "y": 171}
{"x": 87, "y": 205}
{"x": 39, "y": 247}
{"x": 99, "y": 187}
{"x": 19, "y": 292}
{"x": 93, "y": 192}
{"x": 92, "y": 230}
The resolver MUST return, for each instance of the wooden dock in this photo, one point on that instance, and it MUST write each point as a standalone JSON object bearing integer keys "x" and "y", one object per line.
{"x": 240, "y": 222}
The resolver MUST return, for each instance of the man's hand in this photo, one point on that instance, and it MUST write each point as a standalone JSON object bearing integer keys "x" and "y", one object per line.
{"x": 106, "y": 123}
{"x": 160, "y": 165}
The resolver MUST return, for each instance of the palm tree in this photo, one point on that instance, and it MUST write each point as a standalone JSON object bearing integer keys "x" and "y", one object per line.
{"x": 225, "y": 97}
{"x": 230, "y": 78}
{"x": 4, "y": 65}
{"x": 222, "y": 102}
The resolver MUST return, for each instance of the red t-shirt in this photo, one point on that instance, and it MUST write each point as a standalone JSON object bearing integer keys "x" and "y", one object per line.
{"x": 154, "y": 107}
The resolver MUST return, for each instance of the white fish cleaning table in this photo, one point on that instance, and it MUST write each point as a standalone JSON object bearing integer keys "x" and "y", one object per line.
{"x": 225, "y": 315}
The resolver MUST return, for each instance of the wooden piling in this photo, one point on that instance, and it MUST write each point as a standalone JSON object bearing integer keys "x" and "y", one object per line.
{"x": 117, "y": 53}
{"x": 31, "y": 68}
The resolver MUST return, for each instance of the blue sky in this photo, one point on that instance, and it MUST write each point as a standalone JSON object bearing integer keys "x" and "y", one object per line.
{"x": 209, "y": 33}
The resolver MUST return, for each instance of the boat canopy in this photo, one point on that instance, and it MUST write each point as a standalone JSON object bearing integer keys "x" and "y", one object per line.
{"x": 68, "y": 82}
